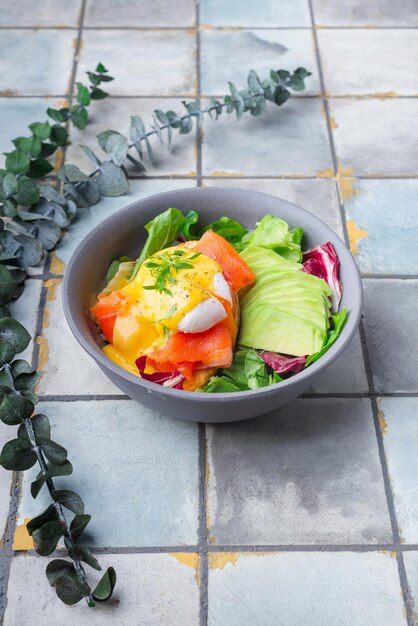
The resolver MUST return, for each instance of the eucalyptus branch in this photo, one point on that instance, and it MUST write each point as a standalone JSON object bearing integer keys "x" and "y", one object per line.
{"x": 22, "y": 240}
{"x": 36, "y": 214}
{"x": 110, "y": 175}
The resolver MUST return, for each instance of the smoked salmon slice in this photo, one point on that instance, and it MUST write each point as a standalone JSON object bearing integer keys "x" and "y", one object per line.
{"x": 234, "y": 268}
{"x": 186, "y": 352}
{"x": 106, "y": 310}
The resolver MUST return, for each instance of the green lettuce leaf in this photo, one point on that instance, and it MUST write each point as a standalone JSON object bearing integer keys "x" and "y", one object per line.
{"x": 273, "y": 233}
{"x": 248, "y": 371}
{"x": 162, "y": 231}
{"x": 338, "y": 321}
{"x": 225, "y": 227}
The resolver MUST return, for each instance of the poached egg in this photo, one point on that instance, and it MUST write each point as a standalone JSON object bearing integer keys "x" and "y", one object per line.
{"x": 193, "y": 298}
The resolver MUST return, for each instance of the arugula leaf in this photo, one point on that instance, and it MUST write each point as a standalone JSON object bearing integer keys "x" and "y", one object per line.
{"x": 339, "y": 320}
{"x": 248, "y": 371}
{"x": 229, "y": 229}
{"x": 162, "y": 231}
{"x": 191, "y": 219}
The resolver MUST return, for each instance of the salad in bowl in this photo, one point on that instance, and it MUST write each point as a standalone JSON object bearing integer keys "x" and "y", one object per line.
{"x": 220, "y": 308}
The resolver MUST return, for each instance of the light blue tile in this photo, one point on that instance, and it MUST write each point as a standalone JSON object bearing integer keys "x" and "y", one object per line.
{"x": 399, "y": 421}
{"x": 6, "y": 433}
{"x": 16, "y": 115}
{"x": 147, "y": 13}
{"x": 307, "y": 474}
{"x": 115, "y": 113}
{"x": 370, "y": 13}
{"x": 346, "y": 374}
{"x": 291, "y": 589}
{"x": 144, "y": 62}
{"x": 411, "y": 566}
{"x": 150, "y": 590}
{"x": 67, "y": 368}
{"x": 25, "y": 310}
{"x": 46, "y": 13}
{"x": 318, "y": 196}
{"x": 290, "y": 140}
{"x": 387, "y": 210}
{"x": 87, "y": 219}
{"x": 229, "y": 56}
{"x": 390, "y": 55}
{"x": 136, "y": 471}
{"x": 266, "y": 13}
{"x": 375, "y": 137}
{"x": 36, "y": 62}
{"x": 391, "y": 333}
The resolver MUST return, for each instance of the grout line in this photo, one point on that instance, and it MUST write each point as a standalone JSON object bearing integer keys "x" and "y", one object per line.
{"x": 305, "y": 396}
{"x": 218, "y": 549}
{"x": 398, "y": 547}
{"x": 203, "y": 530}
{"x": 385, "y": 473}
{"x": 210, "y": 27}
{"x": 74, "y": 70}
{"x": 272, "y": 178}
{"x": 393, "y": 520}
{"x": 199, "y": 132}
{"x": 81, "y": 398}
{"x": 6, "y": 552}
{"x": 177, "y": 96}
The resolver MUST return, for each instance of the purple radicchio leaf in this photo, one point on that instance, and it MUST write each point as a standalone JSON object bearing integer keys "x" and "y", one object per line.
{"x": 283, "y": 364}
{"x": 166, "y": 379}
{"x": 322, "y": 261}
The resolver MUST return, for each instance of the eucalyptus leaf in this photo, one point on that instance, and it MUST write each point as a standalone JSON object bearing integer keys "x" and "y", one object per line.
{"x": 46, "y": 537}
{"x": 17, "y": 162}
{"x": 79, "y": 116}
{"x": 41, "y": 129}
{"x": 40, "y": 425}
{"x": 31, "y": 250}
{"x": 17, "y": 455}
{"x": 83, "y": 94}
{"x": 58, "y": 115}
{"x": 74, "y": 175}
{"x": 39, "y": 167}
{"x": 78, "y": 525}
{"x": 15, "y": 333}
{"x": 7, "y": 285}
{"x": 116, "y": 146}
{"x": 14, "y": 409}
{"x": 56, "y": 568}
{"x": 81, "y": 553}
{"x": 50, "y": 193}
{"x": 48, "y": 233}
{"x": 49, "y": 515}
{"x": 90, "y": 154}
{"x": 111, "y": 180}
{"x": 53, "y": 451}
{"x": 70, "y": 499}
{"x": 27, "y": 192}
{"x": 10, "y": 184}
{"x": 105, "y": 586}
{"x": 7, "y": 351}
{"x": 69, "y": 588}
{"x": 59, "y": 135}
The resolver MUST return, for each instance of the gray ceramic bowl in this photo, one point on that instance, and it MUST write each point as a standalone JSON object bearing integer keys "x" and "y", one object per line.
{"x": 123, "y": 234}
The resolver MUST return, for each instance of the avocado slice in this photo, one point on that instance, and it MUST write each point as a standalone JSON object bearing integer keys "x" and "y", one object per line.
{"x": 286, "y": 310}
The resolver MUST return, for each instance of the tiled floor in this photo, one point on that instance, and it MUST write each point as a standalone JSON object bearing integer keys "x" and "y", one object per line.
{"x": 307, "y": 516}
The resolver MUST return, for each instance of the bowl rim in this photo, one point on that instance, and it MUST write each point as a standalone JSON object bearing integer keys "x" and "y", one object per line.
{"x": 97, "y": 354}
